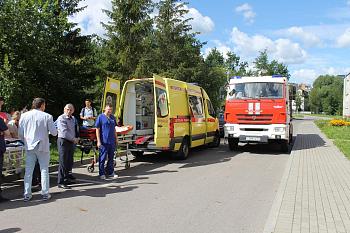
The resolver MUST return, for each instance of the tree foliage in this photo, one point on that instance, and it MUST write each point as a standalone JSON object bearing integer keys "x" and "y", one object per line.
{"x": 42, "y": 54}
{"x": 327, "y": 95}
{"x": 264, "y": 67}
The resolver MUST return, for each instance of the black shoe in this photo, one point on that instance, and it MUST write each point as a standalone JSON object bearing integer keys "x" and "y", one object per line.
{"x": 71, "y": 177}
{"x": 69, "y": 182}
{"x": 63, "y": 186}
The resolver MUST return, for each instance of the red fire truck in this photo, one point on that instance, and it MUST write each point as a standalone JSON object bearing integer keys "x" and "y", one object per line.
{"x": 258, "y": 110}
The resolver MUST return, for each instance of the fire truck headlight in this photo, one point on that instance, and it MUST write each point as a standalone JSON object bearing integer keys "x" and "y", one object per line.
{"x": 230, "y": 128}
{"x": 280, "y": 129}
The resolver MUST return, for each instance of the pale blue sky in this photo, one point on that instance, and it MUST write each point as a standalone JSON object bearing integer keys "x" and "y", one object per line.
{"x": 311, "y": 37}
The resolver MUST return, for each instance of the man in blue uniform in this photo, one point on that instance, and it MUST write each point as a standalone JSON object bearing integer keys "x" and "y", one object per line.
{"x": 106, "y": 141}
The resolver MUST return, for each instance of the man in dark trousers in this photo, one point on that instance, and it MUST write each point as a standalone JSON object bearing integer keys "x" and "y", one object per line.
{"x": 106, "y": 141}
{"x": 3, "y": 129}
{"x": 65, "y": 144}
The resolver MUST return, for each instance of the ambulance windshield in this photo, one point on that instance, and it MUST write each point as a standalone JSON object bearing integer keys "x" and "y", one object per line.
{"x": 258, "y": 90}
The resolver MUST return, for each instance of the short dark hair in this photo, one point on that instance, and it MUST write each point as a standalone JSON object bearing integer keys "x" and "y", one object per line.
{"x": 2, "y": 98}
{"x": 37, "y": 103}
{"x": 88, "y": 100}
{"x": 109, "y": 105}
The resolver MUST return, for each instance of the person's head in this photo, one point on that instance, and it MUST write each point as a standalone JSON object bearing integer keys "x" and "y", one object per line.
{"x": 39, "y": 104}
{"x": 16, "y": 116}
{"x": 2, "y": 101}
{"x": 108, "y": 109}
{"x": 88, "y": 103}
{"x": 69, "y": 109}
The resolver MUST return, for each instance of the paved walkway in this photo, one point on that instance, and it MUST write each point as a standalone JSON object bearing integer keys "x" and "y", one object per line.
{"x": 314, "y": 194}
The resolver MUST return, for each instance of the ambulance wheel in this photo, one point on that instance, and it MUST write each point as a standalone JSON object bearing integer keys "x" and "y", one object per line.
{"x": 216, "y": 142}
{"x": 233, "y": 144}
{"x": 184, "y": 150}
{"x": 91, "y": 168}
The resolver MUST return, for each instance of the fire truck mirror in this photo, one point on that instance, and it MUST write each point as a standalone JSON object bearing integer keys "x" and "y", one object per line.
{"x": 232, "y": 92}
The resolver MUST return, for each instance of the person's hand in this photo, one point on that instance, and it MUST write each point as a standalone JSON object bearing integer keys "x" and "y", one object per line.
{"x": 76, "y": 140}
{"x": 98, "y": 145}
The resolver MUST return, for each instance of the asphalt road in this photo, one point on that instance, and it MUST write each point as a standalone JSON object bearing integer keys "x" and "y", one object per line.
{"x": 214, "y": 190}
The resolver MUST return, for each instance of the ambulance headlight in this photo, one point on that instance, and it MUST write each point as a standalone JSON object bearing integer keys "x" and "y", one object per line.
{"x": 280, "y": 129}
{"x": 230, "y": 128}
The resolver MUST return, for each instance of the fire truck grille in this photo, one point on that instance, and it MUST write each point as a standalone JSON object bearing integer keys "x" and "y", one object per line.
{"x": 256, "y": 118}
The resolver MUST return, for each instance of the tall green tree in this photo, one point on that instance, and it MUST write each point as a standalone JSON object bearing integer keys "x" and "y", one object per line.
{"x": 176, "y": 46}
{"x": 42, "y": 54}
{"x": 264, "y": 67}
{"x": 128, "y": 37}
{"x": 327, "y": 95}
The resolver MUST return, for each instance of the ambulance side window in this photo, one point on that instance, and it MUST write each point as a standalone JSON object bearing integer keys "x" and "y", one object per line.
{"x": 162, "y": 103}
{"x": 196, "y": 105}
{"x": 211, "y": 109}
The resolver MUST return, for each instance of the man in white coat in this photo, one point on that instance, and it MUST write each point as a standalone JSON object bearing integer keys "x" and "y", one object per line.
{"x": 34, "y": 129}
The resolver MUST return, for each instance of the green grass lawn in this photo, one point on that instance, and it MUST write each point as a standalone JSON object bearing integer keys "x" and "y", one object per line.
{"x": 324, "y": 115}
{"x": 298, "y": 116}
{"x": 77, "y": 154}
{"x": 339, "y": 134}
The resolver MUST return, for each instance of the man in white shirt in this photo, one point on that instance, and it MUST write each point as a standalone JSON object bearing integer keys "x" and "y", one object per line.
{"x": 34, "y": 129}
{"x": 88, "y": 114}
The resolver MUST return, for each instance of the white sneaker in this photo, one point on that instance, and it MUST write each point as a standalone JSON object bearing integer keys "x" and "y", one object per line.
{"x": 113, "y": 175}
{"x": 27, "y": 198}
{"x": 103, "y": 177}
{"x": 46, "y": 197}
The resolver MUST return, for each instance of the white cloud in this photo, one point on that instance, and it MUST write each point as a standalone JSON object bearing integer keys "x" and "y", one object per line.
{"x": 247, "y": 11}
{"x": 282, "y": 50}
{"x": 344, "y": 39}
{"x": 309, "y": 75}
{"x": 89, "y": 20}
{"x": 308, "y": 38}
{"x": 200, "y": 23}
{"x": 304, "y": 76}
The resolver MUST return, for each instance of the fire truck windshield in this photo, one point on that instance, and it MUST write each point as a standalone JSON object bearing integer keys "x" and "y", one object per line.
{"x": 258, "y": 90}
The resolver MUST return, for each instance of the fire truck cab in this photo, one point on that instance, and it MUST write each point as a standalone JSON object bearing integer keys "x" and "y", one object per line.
{"x": 258, "y": 110}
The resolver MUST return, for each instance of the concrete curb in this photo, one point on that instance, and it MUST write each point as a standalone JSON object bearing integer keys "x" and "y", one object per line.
{"x": 276, "y": 205}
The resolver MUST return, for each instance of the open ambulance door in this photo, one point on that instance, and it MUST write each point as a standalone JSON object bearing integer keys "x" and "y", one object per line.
{"x": 111, "y": 95}
{"x": 161, "y": 124}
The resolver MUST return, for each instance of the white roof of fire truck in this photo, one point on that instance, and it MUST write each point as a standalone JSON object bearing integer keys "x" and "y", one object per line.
{"x": 258, "y": 79}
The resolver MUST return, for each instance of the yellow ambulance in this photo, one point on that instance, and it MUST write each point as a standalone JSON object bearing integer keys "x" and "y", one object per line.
{"x": 167, "y": 114}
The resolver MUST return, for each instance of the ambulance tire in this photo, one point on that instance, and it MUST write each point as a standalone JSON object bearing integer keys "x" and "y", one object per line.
{"x": 183, "y": 150}
{"x": 233, "y": 144}
{"x": 216, "y": 142}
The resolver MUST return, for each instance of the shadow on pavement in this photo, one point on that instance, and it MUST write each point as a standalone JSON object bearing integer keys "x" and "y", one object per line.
{"x": 11, "y": 230}
{"x": 308, "y": 141}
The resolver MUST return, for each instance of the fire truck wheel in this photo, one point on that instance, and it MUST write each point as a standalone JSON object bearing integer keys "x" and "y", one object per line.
{"x": 284, "y": 146}
{"x": 184, "y": 150}
{"x": 233, "y": 144}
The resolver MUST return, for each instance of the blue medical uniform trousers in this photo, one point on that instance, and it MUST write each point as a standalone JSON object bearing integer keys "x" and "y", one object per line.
{"x": 106, "y": 152}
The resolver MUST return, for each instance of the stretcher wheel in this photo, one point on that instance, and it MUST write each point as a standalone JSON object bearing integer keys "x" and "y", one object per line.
{"x": 91, "y": 168}
{"x": 127, "y": 165}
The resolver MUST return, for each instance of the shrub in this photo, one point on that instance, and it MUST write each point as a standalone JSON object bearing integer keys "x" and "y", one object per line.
{"x": 337, "y": 122}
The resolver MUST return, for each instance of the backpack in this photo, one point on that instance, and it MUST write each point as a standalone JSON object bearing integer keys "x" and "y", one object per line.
{"x": 93, "y": 112}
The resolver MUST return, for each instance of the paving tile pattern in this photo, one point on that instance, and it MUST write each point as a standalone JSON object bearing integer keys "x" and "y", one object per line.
{"x": 316, "y": 191}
